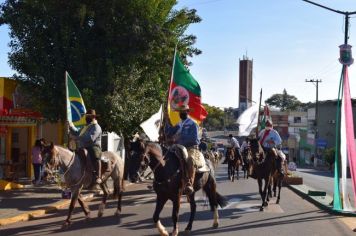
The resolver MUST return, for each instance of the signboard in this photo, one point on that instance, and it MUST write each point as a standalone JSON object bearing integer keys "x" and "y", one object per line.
{"x": 321, "y": 143}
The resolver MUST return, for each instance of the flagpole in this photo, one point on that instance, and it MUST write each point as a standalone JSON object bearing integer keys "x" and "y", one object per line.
{"x": 258, "y": 116}
{"x": 66, "y": 84}
{"x": 165, "y": 105}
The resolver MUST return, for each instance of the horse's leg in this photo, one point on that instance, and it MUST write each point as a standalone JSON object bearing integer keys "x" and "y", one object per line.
{"x": 119, "y": 195}
{"x": 193, "y": 208}
{"x": 105, "y": 189}
{"x": 160, "y": 201}
{"x": 275, "y": 183}
{"x": 259, "y": 180}
{"x": 237, "y": 171}
{"x": 84, "y": 207}
{"x": 175, "y": 213}
{"x": 279, "y": 189}
{"x": 73, "y": 200}
{"x": 265, "y": 193}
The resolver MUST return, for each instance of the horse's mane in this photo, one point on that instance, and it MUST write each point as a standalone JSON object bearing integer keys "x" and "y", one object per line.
{"x": 255, "y": 145}
{"x": 64, "y": 149}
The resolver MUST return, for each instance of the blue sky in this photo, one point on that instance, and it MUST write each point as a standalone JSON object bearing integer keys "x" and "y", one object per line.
{"x": 288, "y": 40}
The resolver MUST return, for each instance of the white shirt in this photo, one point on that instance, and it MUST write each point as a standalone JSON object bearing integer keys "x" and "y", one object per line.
{"x": 234, "y": 143}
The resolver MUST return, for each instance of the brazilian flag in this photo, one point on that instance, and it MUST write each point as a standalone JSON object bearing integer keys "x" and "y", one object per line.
{"x": 75, "y": 104}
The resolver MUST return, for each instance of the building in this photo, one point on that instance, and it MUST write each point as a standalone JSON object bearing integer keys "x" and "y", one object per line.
{"x": 18, "y": 131}
{"x": 245, "y": 84}
{"x": 297, "y": 121}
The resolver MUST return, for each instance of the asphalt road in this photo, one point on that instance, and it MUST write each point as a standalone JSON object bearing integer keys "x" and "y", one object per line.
{"x": 294, "y": 216}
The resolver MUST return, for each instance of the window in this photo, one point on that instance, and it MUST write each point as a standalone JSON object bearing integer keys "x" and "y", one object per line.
{"x": 297, "y": 119}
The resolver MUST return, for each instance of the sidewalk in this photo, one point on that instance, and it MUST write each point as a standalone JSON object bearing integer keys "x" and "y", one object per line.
{"x": 323, "y": 202}
{"x": 31, "y": 201}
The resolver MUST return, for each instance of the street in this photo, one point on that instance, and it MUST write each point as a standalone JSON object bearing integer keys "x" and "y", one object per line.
{"x": 294, "y": 216}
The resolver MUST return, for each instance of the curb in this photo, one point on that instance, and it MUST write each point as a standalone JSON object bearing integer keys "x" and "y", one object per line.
{"x": 37, "y": 213}
{"x": 318, "y": 201}
{"x": 31, "y": 215}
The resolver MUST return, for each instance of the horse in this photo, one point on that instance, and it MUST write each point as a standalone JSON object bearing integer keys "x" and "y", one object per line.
{"x": 263, "y": 165}
{"x": 78, "y": 174}
{"x": 246, "y": 156}
{"x": 233, "y": 163}
{"x": 167, "y": 166}
{"x": 210, "y": 155}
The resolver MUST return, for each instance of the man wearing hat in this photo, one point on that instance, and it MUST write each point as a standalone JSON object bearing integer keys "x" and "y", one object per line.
{"x": 89, "y": 137}
{"x": 186, "y": 134}
{"x": 270, "y": 140}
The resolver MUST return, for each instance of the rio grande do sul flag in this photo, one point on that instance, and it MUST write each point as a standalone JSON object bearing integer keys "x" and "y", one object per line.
{"x": 75, "y": 104}
{"x": 184, "y": 89}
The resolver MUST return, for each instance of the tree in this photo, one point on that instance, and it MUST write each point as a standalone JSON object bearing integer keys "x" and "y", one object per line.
{"x": 283, "y": 101}
{"x": 215, "y": 119}
{"x": 118, "y": 52}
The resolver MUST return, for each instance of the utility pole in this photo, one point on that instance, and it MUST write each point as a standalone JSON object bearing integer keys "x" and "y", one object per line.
{"x": 337, "y": 200}
{"x": 316, "y": 83}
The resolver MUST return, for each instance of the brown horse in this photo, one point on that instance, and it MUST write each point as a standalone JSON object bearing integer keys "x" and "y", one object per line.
{"x": 246, "y": 156}
{"x": 166, "y": 164}
{"x": 233, "y": 163}
{"x": 263, "y": 167}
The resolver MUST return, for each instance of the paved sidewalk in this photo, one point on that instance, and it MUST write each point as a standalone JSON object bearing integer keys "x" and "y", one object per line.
{"x": 31, "y": 201}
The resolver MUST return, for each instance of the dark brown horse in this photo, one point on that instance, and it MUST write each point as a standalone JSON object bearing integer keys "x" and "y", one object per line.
{"x": 246, "y": 157}
{"x": 263, "y": 167}
{"x": 166, "y": 165}
{"x": 233, "y": 163}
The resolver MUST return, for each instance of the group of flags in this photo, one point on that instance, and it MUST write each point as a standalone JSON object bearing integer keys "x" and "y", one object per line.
{"x": 183, "y": 90}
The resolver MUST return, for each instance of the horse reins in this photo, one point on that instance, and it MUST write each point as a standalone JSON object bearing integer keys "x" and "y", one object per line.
{"x": 71, "y": 161}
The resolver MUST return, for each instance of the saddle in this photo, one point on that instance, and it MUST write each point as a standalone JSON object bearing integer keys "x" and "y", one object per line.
{"x": 88, "y": 163}
{"x": 182, "y": 153}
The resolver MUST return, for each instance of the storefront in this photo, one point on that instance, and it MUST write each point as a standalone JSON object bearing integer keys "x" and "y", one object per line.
{"x": 18, "y": 131}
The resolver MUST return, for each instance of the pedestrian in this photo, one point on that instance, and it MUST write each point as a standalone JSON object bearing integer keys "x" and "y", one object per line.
{"x": 37, "y": 161}
{"x": 90, "y": 138}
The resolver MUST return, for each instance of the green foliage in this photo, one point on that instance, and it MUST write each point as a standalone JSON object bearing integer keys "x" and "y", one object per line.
{"x": 284, "y": 101}
{"x": 219, "y": 119}
{"x": 118, "y": 52}
{"x": 329, "y": 155}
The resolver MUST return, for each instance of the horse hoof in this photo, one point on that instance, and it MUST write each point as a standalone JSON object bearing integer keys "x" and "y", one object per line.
{"x": 277, "y": 202}
{"x": 117, "y": 212}
{"x": 87, "y": 217}
{"x": 215, "y": 225}
{"x": 66, "y": 224}
{"x": 175, "y": 232}
{"x": 265, "y": 204}
{"x": 187, "y": 232}
{"x": 261, "y": 208}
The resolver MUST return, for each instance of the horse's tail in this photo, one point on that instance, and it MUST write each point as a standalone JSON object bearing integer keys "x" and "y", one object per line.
{"x": 222, "y": 201}
{"x": 215, "y": 198}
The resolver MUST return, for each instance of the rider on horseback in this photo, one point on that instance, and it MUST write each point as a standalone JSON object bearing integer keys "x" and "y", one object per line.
{"x": 90, "y": 138}
{"x": 234, "y": 143}
{"x": 270, "y": 140}
{"x": 186, "y": 134}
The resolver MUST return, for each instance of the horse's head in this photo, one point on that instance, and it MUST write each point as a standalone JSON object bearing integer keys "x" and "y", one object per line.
{"x": 50, "y": 156}
{"x": 137, "y": 164}
{"x": 230, "y": 153}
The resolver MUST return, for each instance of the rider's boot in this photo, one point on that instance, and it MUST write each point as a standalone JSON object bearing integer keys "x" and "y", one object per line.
{"x": 189, "y": 189}
{"x": 98, "y": 171}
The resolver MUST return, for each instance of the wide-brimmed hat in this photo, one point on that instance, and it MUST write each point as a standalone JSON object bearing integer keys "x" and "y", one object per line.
{"x": 182, "y": 108}
{"x": 91, "y": 113}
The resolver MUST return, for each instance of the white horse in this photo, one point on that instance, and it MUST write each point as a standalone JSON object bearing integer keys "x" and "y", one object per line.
{"x": 79, "y": 173}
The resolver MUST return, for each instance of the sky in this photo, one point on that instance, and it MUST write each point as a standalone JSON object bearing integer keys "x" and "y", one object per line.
{"x": 289, "y": 41}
